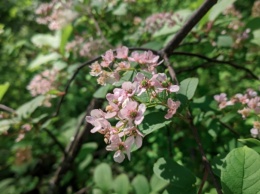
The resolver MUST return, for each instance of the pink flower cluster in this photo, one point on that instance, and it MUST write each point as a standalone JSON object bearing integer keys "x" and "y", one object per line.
{"x": 42, "y": 83}
{"x": 84, "y": 48}
{"x": 123, "y": 104}
{"x": 122, "y": 62}
{"x": 250, "y": 102}
{"x": 158, "y": 20}
{"x": 55, "y": 14}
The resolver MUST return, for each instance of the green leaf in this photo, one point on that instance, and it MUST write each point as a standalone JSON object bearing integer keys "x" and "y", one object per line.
{"x": 103, "y": 177}
{"x": 6, "y": 124}
{"x": 121, "y": 10}
{"x": 102, "y": 91}
{"x": 29, "y": 107}
{"x": 41, "y": 40}
{"x": 153, "y": 121}
{"x": 127, "y": 76}
{"x": 3, "y": 88}
{"x": 165, "y": 30}
{"x": 256, "y": 39}
{"x": 225, "y": 41}
{"x": 65, "y": 34}
{"x": 241, "y": 171}
{"x": 157, "y": 184}
{"x": 121, "y": 184}
{"x": 180, "y": 178}
{"x": 252, "y": 143}
{"x": 42, "y": 59}
{"x": 140, "y": 184}
{"x": 188, "y": 87}
{"x": 219, "y": 8}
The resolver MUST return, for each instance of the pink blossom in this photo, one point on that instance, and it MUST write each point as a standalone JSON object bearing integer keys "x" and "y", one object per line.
{"x": 144, "y": 58}
{"x": 97, "y": 119}
{"x": 122, "y": 53}
{"x": 160, "y": 82}
{"x": 108, "y": 78}
{"x": 122, "y": 66}
{"x": 244, "y": 112}
{"x": 172, "y": 107}
{"x": 142, "y": 82}
{"x": 254, "y": 104}
{"x": 108, "y": 57}
{"x": 135, "y": 137}
{"x": 118, "y": 97}
{"x": 132, "y": 112}
{"x": 255, "y": 132}
{"x": 96, "y": 69}
{"x": 221, "y": 97}
{"x": 119, "y": 146}
{"x": 112, "y": 110}
{"x": 130, "y": 88}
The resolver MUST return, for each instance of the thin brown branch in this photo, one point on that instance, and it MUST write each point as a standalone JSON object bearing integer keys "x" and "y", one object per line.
{"x": 73, "y": 149}
{"x": 170, "y": 69}
{"x": 7, "y": 109}
{"x": 56, "y": 141}
{"x": 205, "y": 177}
{"x": 213, "y": 60}
{"x": 202, "y": 152}
{"x": 229, "y": 128}
{"x": 193, "y": 20}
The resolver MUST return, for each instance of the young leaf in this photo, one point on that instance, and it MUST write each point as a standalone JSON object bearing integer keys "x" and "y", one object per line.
{"x": 152, "y": 122}
{"x": 121, "y": 184}
{"x": 3, "y": 88}
{"x": 140, "y": 184}
{"x": 188, "y": 87}
{"x": 103, "y": 177}
{"x": 241, "y": 171}
{"x": 65, "y": 34}
{"x": 102, "y": 91}
{"x": 180, "y": 178}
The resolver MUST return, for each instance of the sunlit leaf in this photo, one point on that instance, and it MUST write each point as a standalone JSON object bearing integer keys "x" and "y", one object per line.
{"x": 241, "y": 171}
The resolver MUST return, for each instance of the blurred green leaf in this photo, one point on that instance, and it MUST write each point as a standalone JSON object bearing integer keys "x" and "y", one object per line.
{"x": 140, "y": 184}
{"x": 241, "y": 171}
{"x": 42, "y": 59}
{"x": 41, "y": 40}
{"x": 29, "y": 107}
{"x": 153, "y": 121}
{"x": 3, "y": 88}
{"x": 225, "y": 41}
{"x": 157, "y": 184}
{"x": 217, "y": 9}
{"x": 121, "y": 10}
{"x": 65, "y": 34}
{"x": 102, "y": 91}
{"x": 256, "y": 39}
{"x": 188, "y": 87}
{"x": 103, "y": 177}
{"x": 180, "y": 178}
{"x": 121, "y": 184}
{"x": 252, "y": 143}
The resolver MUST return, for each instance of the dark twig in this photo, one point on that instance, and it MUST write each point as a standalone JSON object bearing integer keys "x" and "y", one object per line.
{"x": 183, "y": 32}
{"x": 170, "y": 69}
{"x": 205, "y": 177}
{"x": 6, "y": 108}
{"x": 53, "y": 137}
{"x": 73, "y": 148}
{"x": 203, "y": 155}
{"x": 229, "y": 128}
{"x": 213, "y": 61}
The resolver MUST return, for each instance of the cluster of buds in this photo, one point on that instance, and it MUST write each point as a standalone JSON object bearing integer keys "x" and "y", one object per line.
{"x": 42, "y": 83}
{"x": 124, "y": 105}
{"x": 55, "y": 14}
{"x": 251, "y": 105}
{"x": 156, "y": 21}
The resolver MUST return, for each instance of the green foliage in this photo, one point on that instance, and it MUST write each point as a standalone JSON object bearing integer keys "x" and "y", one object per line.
{"x": 180, "y": 179}
{"x": 240, "y": 171}
{"x": 30, "y": 155}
